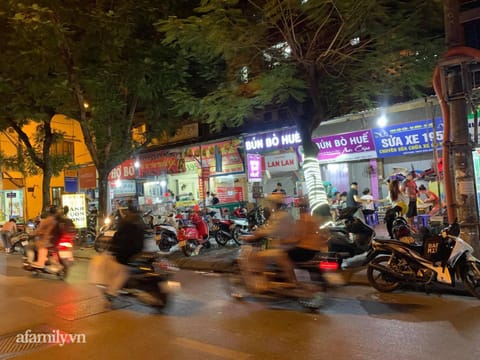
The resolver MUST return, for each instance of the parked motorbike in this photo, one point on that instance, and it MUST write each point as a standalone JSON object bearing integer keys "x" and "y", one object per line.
{"x": 104, "y": 237}
{"x": 350, "y": 240}
{"x": 193, "y": 235}
{"x": 166, "y": 233}
{"x": 256, "y": 218}
{"x": 443, "y": 259}
{"x": 19, "y": 242}
{"x": 310, "y": 284}
{"x": 59, "y": 258}
{"x": 226, "y": 230}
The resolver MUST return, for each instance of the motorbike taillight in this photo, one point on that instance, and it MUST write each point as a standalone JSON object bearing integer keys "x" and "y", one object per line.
{"x": 328, "y": 265}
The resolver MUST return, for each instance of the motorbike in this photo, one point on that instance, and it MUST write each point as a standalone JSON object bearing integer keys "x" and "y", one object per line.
{"x": 105, "y": 234}
{"x": 256, "y": 218}
{"x": 150, "y": 280}
{"x": 308, "y": 290}
{"x": 444, "y": 259}
{"x": 193, "y": 235}
{"x": 226, "y": 230}
{"x": 59, "y": 258}
{"x": 166, "y": 234}
{"x": 350, "y": 240}
{"x": 20, "y": 240}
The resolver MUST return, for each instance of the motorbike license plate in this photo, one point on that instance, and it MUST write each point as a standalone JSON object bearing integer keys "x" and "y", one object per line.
{"x": 182, "y": 243}
{"x": 24, "y": 242}
{"x": 109, "y": 233}
{"x": 170, "y": 287}
{"x": 65, "y": 254}
{"x": 302, "y": 275}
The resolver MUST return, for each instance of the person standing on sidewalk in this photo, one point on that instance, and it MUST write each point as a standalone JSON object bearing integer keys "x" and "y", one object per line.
{"x": 410, "y": 189}
{"x": 8, "y": 230}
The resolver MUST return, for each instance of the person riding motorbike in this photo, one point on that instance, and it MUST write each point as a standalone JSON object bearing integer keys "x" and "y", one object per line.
{"x": 47, "y": 234}
{"x": 278, "y": 230}
{"x": 127, "y": 241}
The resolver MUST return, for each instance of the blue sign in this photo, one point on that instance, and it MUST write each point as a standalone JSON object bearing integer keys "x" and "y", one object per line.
{"x": 407, "y": 139}
{"x": 71, "y": 184}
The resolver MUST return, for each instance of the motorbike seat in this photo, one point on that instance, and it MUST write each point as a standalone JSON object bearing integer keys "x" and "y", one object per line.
{"x": 338, "y": 229}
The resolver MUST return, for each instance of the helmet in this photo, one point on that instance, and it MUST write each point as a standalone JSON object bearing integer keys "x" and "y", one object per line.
{"x": 52, "y": 210}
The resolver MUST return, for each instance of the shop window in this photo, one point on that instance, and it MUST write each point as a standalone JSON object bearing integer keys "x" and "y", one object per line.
{"x": 57, "y": 196}
{"x": 63, "y": 147}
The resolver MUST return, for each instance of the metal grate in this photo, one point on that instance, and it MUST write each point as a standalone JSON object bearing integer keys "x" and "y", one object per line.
{"x": 10, "y": 348}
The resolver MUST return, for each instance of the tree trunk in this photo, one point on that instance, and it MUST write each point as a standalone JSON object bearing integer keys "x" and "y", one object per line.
{"x": 47, "y": 177}
{"x": 102, "y": 194}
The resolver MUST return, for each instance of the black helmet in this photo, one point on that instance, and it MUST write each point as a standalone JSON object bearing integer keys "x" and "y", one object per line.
{"x": 52, "y": 209}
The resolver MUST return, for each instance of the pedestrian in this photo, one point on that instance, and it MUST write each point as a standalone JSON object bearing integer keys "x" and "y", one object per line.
{"x": 409, "y": 186}
{"x": 215, "y": 199}
{"x": 429, "y": 197}
{"x": 368, "y": 202}
{"x": 353, "y": 200}
{"x": 399, "y": 203}
{"x": 8, "y": 230}
{"x": 279, "y": 189}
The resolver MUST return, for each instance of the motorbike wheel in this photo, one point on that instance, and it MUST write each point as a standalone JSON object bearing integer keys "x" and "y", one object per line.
{"x": 315, "y": 302}
{"x": 379, "y": 280}
{"x": 18, "y": 248}
{"x": 236, "y": 287}
{"x": 221, "y": 238}
{"x": 190, "y": 247}
{"x": 153, "y": 298}
{"x": 471, "y": 277}
{"x": 236, "y": 235}
{"x": 164, "y": 244}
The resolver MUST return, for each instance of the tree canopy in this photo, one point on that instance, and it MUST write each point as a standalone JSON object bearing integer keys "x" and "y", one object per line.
{"x": 104, "y": 65}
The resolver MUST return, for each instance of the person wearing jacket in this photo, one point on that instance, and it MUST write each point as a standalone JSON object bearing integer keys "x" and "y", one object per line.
{"x": 8, "y": 230}
{"x": 127, "y": 241}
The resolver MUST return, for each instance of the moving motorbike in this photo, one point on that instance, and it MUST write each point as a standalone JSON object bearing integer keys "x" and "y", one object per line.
{"x": 59, "y": 258}
{"x": 149, "y": 281}
{"x": 308, "y": 290}
{"x": 443, "y": 259}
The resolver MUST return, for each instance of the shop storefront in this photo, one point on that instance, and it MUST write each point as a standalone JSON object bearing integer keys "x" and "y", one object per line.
{"x": 160, "y": 180}
{"x": 274, "y": 157}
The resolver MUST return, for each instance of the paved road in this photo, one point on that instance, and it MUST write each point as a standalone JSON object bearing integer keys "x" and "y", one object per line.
{"x": 204, "y": 323}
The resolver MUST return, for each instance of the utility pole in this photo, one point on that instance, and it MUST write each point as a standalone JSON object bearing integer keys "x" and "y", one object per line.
{"x": 455, "y": 73}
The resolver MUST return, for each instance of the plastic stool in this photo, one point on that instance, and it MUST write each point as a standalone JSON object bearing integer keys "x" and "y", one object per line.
{"x": 422, "y": 220}
{"x": 372, "y": 219}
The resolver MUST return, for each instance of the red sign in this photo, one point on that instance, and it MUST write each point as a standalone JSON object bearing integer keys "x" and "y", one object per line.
{"x": 88, "y": 177}
{"x": 123, "y": 172}
{"x": 228, "y": 194}
{"x": 225, "y": 152}
{"x": 161, "y": 162}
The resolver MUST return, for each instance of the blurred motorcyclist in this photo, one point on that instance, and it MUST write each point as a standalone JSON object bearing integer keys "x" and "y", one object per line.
{"x": 278, "y": 230}
{"x": 127, "y": 241}
{"x": 46, "y": 235}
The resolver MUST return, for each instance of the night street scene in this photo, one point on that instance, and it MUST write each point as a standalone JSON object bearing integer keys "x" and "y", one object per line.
{"x": 240, "y": 179}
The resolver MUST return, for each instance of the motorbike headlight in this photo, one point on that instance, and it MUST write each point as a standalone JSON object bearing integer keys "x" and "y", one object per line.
{"x": 107, "y": 221}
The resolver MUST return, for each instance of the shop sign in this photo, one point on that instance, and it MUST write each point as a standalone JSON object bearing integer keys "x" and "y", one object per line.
{"x": 355, "y": 145}
{"x": 273, "y": 140}
{"x": 71, "y": 184}
{"x": 221, "y": 158}
{"x": 407, "y": 139}
{"x": 161, "y": 162}
{"x": 126, "y": 170}
{"x": 77, "y": 209}
{"x": 254, "y": 167}
{"x": 88, "y": 177}
{"x": 281, "y": 162}
{"x": 229, "y": 194}
{"x": 123, "y": 188}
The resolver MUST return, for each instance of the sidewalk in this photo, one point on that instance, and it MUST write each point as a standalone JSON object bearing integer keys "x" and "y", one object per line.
{"x": 219, "y": 259}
